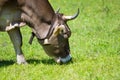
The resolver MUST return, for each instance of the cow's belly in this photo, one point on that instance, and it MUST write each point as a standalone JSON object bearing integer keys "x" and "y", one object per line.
{"x": 8, "y": 15}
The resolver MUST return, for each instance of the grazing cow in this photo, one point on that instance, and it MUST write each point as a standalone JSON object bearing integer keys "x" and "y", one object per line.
{"x": 49, "y": 27}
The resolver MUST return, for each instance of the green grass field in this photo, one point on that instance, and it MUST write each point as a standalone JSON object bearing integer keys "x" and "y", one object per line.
{"x": 95, "y": 46}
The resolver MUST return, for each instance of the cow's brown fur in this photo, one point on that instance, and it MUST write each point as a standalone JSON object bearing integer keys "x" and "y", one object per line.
{"x": 40, "y": 16}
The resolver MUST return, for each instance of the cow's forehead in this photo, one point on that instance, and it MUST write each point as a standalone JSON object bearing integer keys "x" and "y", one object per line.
{"x": 59, "y": 20}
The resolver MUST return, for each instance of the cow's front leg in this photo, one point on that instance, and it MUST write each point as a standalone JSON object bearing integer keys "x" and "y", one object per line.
{"x": 16, "y": 38}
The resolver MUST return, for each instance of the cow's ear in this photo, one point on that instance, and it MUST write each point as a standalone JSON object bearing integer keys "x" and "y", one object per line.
{"x": 58, "y": 30}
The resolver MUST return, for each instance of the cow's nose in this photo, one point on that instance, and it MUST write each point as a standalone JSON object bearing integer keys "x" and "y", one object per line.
{"x": 60, "y": 60}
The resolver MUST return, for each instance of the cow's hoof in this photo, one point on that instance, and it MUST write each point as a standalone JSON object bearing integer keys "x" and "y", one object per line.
{"x": 22, "y": 63}
{"x": 21, "y": 59}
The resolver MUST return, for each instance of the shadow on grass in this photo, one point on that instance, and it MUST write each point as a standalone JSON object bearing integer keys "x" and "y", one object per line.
{"x": 43, "y": 61}
{"x": 6, "y": 63}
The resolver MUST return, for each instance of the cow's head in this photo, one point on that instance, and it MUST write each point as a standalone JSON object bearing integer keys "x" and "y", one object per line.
{"x": 56, "y": 43}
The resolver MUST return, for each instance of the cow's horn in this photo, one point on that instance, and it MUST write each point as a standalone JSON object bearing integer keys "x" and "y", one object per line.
{"x": 71, "y": 17}
{"x": 57, "y": 11}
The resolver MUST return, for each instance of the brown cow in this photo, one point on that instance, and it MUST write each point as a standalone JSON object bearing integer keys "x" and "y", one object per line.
{"x": 50, "y": 28}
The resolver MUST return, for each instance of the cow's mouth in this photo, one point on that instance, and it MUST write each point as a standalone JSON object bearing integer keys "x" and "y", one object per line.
{"x": 66, "y": 59}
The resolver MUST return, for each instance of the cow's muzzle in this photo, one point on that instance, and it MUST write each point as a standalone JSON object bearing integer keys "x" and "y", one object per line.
{"x": 60, "y": 60}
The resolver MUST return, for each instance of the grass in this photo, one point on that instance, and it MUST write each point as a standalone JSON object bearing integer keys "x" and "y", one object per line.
{"x": 95, "y": 46}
